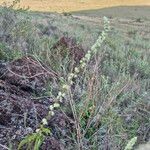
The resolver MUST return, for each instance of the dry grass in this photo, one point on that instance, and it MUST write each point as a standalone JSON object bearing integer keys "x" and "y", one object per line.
{"x": 75, "y": 5}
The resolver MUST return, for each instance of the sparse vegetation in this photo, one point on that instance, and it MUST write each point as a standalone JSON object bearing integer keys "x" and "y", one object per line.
{"x": 59, "y": 89}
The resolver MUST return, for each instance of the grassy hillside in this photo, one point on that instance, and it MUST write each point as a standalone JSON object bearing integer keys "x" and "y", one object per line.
{"x": 59, "y": 92}
{"x": 75, "y": 5}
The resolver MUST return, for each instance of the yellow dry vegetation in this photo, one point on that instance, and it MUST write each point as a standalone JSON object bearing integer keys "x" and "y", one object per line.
{"x": 75, "y": 5}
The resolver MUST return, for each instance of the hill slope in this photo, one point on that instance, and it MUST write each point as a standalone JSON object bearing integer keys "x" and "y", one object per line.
{"x": 111, "y": 97}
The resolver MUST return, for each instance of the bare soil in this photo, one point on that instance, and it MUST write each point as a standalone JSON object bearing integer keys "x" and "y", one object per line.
{"x": 20, "y": 111}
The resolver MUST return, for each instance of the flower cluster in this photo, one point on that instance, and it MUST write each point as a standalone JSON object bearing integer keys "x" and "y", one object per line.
{"x": 83, "y": 62}
{"x": 102, "y": 37}
{"x": 61, "y": 95}
{"x": 51, "y": 112}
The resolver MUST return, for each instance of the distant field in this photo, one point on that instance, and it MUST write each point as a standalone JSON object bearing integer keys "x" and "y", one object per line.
{"x": 75, "y": 5}
{"x": 124, "y": 12}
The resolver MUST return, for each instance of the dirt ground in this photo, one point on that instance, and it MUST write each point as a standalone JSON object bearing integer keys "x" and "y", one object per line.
{"x": 20, "y": 111}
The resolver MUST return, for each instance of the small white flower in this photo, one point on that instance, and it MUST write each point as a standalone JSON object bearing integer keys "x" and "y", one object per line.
{"x": 71, "y": 82}
{"x": 69, "y": 78}
{"x": 56, "y": 105}
{"x": 83, "y": 65}
{"x": 37, "y": 130}
{"x": 76, "y": 70}
{"x": 59, "y": 94}
{"x": 88, "y": 56}
{"x": 89, "y": 52}
{"x": 103, "y": 34}
{"x": 65, "y": 86}
{"x": 81, "y": 61}
{"x": 44, "y": 121}
{"x": 71, "y": 75}
{"x": 52, "y": 113}
{"x": 60, "y": 99}
{"x": 75, "y": 76}
{"x": 105, "y": 19}
{"x": 51, "y": 107}
{"x": 63, "y": 94}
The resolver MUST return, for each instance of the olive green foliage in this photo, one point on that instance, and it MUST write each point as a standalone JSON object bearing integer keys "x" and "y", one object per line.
{"x": 35, "y": 140}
